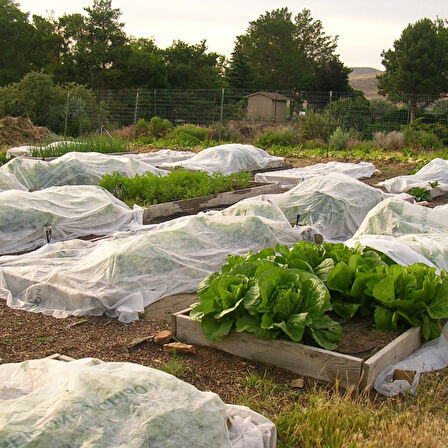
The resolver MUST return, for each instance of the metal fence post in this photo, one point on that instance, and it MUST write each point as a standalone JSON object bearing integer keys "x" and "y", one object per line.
{"x": 154, "y": 105}
{"x": 66, "y": 115}
{"x": 221, "y": 116}
{"x": 135, "y": 114}
{"x": 329, "y": 120}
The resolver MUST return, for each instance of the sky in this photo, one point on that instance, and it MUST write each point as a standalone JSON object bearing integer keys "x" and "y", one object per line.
{"x": 365, "y": 28}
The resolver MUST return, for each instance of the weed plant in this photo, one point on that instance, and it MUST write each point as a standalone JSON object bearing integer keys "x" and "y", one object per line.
{"x": 149, "y": 189}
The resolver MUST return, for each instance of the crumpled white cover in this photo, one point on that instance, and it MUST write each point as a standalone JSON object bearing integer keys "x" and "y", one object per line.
{"x": 9, "y": 182}
{"x": 294, "y": 176}
{"x": 434, "y": 171}
{"x": 229, "y": 159}
{"x": 335, "y": 204}
{"x": 47, "y": 403}
{"x": 163, "y": 156}
{"x": 121, "y": 275}
{"x": 407, "y": 233}
{"x": 68, "y": 212}
{"x": 75, "y": 168}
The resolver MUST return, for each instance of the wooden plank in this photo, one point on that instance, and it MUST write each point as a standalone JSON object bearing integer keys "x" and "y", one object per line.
{"x": 401, "y": 347}
{"x": 164, "y": 308}
{"x": 298, "y": 358}
{"x": 166, "y": 210}
{"x": 59, "y": 357}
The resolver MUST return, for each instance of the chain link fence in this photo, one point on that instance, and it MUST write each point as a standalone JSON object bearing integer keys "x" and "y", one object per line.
{"x": 105, "y": 111}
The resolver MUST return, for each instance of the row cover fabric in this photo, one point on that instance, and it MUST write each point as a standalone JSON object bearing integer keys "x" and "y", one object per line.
{"x": 9, "y": 182}
{"x": 434, "y": 171}
{"x": 163, "y": 156}
{"x": 335, "y": 204}
{"x": 407, "y": 233}
{"x": 47, "y": 403}
{"x": 75, "y": 168}
{"x": 294, "y": 176}
{"x": 431, "y": 356}
{"x": 121, "y": 275}
{"x": 67, "y": 212}
{"x": 229, "y": 159}
{"x": 27, "y": 150}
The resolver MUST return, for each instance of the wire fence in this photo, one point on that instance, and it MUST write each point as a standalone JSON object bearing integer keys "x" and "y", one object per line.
{"x": 105, "y": 111}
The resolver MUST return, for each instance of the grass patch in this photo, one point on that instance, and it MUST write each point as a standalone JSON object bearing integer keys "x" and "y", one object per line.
{"x": 105, "y": 145}
{"x": 332, "y": 418}
{"x": 175, "y": 366}
{"x": 149, "y": 189}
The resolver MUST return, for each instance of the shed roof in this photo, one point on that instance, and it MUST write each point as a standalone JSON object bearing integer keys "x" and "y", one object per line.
{"x": 272, "y": 95}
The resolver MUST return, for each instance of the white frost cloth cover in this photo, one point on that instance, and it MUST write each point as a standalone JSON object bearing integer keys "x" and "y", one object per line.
{"x": 434, "y": 171}
{"x": 92, "y": 404}
{"x": 20, "y": 151}
{"x": 407, "y": 233}
{"x": 67, "y": 212}
{"x": 229, "y": 159}
{"x": 431, "y": 356}
{"x": 294, "y": 176}
{"x": 75, "y": 168}
{"x": 163, "y": 156}
{"x": 9, "y": 182}
{"x": 335, "y": 204}
{"x": 121, "y": 275}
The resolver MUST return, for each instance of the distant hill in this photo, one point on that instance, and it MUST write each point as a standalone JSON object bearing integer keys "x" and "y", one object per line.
{"x": 364, "y": 79}
{"x": 364, "y": 71}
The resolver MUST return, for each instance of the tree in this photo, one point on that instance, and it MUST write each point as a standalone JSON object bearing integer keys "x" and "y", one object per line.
{"x": 192, "y": 67}
{"x": 418, "y": 64}
{"x": 287, "y": 54}
{"x": 331, "y": 75}
{"x": 15, "y": 37}
{"x": 96, "y": 45}
{"x": 240, "y": 74}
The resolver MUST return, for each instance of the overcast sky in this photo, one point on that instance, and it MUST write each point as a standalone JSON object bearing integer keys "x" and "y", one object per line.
{"x": 365, "y": 28}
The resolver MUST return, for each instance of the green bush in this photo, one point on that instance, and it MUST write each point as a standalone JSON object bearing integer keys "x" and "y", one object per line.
{"x": 283, "y": 136}
{"x": 314, "y": 125}
{"x": 198, "y": 132}
{"x": 150, "y": 189}
{"x": 418, "y": 138}
{"x": 141, "y": 128}
{"x": 3, "y": 158}
{"x": 339, "y": 139}
{"x": 159, "y": 127}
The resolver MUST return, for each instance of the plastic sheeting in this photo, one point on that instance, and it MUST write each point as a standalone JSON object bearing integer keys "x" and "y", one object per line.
{"x": 75, "y": 168}
{"x": 46, "y": 403}
{"x": 119, "y": 276}
{"x": 407, "y": 233}
{"x": 434, "y": 171}
{"x": 9, "y": 182}
{"x": 294, "y": 176}
{"x": 335, "y": 204}
{"x": 66, "y": 212}
{"x": 229, "y": 159}
{"x": 431, "y": 356}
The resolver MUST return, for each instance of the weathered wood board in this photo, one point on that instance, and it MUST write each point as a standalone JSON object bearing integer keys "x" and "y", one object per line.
{"x": 164, "y": 308}
{"x": 168, "y": 210}
{"x": 313, "y": 362}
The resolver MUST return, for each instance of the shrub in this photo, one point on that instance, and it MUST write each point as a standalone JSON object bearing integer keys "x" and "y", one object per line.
{"x": 141, "y": 128}
{"x": 314, "y": 125}
{"x": 282, "y": 136}
{"x": 419, "y": 138}
{"x": 314, "y": 144}
{"x": 393, "y": 141}
{"x": 339, "y": 139}
{"x": 159, "y": 127}
{"x": 198, "y": 132}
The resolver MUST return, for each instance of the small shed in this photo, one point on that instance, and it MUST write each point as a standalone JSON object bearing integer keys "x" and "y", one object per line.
{"x": 269, "y": 106}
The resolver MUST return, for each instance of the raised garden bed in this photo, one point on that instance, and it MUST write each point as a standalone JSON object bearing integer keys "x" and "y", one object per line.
{"x": 49, "y": 159}
{"x": 305, "y": 360}
{"x": 169, "y": 210}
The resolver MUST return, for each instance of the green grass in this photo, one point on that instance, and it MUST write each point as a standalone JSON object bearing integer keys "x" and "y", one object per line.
{"x": 3, "y": 158}
{"x": 149, "y": 189}
{"x": 95, "y": 144}
{"x": 174, "y": 366}
{"x": 334, "y": 418}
